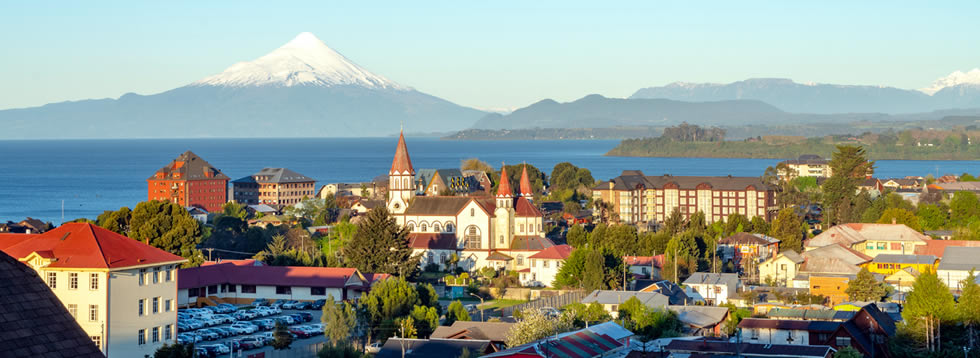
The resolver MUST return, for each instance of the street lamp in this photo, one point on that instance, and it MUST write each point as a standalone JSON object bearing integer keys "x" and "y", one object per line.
{"x": 481, "y": 306}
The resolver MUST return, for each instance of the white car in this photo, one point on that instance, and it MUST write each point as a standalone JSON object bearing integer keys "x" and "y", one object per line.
{"x": 373, "y": 347}
{"x": 248, "y": 327}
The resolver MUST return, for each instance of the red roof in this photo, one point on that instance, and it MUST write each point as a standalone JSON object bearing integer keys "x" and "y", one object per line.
{"x": 246, "y": 262}
{"x": 504, "y": 188}
{"x": 638, "y": 260}
{"x": 429, "y": 240}
{"x": 525, "y": 183}
{"x": 524, "y": 208}
{"x": 333, "y": 277}
{"x": 82, "y": 245}
{"x": 401, "y": 163}
{"x": 7, "y": 240}
{"x": 558, "y": 252}
{"x": 935, "y": 247}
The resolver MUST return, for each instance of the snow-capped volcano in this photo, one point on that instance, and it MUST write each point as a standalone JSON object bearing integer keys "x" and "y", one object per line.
{"x": 954, "y": 79}
{"x": 303, "y": 61}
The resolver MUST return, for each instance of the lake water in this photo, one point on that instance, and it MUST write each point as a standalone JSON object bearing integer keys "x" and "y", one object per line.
{"x": 92, "y": 176}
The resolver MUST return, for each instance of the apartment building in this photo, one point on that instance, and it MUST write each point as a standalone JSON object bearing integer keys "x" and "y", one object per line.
{"x": 122, "y": 292}
{"x": 637, "y": 198}
{"x": 191, "y": 182}
{"x": 273, "y": 186}
{"x": 808, "y": 165}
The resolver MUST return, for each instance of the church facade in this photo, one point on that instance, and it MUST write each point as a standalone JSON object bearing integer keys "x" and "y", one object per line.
{"x": 502, "y": 231}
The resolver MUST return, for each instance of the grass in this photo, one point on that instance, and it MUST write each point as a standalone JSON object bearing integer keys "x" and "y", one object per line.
{"x": 501, "y": 303}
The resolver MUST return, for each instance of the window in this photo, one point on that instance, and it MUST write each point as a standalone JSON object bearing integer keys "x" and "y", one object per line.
{"x": 93, "y": 313}
{"x": 472, "y": 212}
{"x": 544, "y": 263}
{"x": 141, "y": 337}
{"x": 615, "y": 308}
{"x": 156, "y": 305}
{"x": 869, "y": 246}
{"x": 142, "y": 276}
{"x": 168, "y": 332}
{"x": 73, "y": 281}
{"x": 318, "y": 291}
{"x": 98, "y": 341}
{"x": 213, "y": 289}
{"x": 425, "y": 227}
{"x": 248, "y": 288}
{"x": 142, "y": 307}
{"x": 520, "y": 260}
{"x": 411, "y": 227}
{"x": 882, "y": 245}
{"x": 156, "y": 275}
{"x": 284, "y": 290}
{"x": 193, "y": 292}
{"x": 843, "y": 341}
{"x": 501, "y": 240}
{"x": 168, "y": 305}
{"x": 73, "y": 309}
{"x": 170, "y": 275}
{"x": 449, "y": 227}
{"x": 155, "y": 336}
{"x": 472, "y": 238}
{"x": 53, "y": 279}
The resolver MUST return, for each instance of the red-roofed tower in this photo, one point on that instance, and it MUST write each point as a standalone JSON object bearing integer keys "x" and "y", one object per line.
{"x": 505, "y": 194}
{"x": 401, "y": 179}
{"x": 526, "y": 184}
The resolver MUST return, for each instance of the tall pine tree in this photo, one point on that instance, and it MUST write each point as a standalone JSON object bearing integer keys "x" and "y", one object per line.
{"x": 865, "y": 287}
{"x": 381, "y": 246}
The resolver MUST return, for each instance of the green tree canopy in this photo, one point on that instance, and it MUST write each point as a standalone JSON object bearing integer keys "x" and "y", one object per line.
{"x": 381, "y": 246}
{"x": 931, "y": 217}
{"x": 576, "y": 236}
{"x": 164, "y": 225}
{"x": 865, "y": 287}
{"x": 456, "y": 312}
{"x": 929, "y": 297}
{"x": 787, "y": 228}
{"x": 849, "y": 165}
{"x": 964, "y": 207}
{"x": 900, "y": 216}
{"x": 567, "y": 176}
{"x": 176, "y": 350}
{"x": 339, "y": 319}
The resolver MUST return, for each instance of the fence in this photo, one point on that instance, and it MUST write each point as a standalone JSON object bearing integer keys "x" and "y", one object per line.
{"x": 552, "y": 301}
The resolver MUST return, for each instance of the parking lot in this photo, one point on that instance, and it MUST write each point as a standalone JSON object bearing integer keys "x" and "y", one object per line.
{"x": 219, "y": 329}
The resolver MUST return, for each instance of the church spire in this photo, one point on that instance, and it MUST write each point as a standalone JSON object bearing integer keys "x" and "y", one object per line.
{"x": 504, "y": 190}
{"x": 402, "y": 164}
{"x": 526, "y": 184}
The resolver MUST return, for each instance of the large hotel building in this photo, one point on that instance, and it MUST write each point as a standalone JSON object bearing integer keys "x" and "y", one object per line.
{"x": 638, "y": 198}
{"x": 191, "y": 182}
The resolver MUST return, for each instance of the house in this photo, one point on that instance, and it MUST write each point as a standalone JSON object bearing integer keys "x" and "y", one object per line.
{"x": 371, "y": 189}
{"x": 261, "y": 209}
{"x": 807, "y": 165}
{"x": 971, "y": 186}
{"x": 26, "y": 226}
{"x": 495, "y": 332}
{"x": 747, "y": 246}
{"x": 479, "y": 182}
{"x": 35, "y": 321}
{"x": 610, "y": 300}
{"x": 189, "y": 180}
{"x": 701, "y": 320}
{"x": 434, "y": 182}
{"x": 273, "y": 186}
{"x": 584, "y": 343}
{"x": 87, "y": 267}
{"x": 582, "y": 217}
{"x": 940, "y": 234}
{"x": 241, "y": 282}
{"x": 938, "y": 247}
{"x": 545, "y": 265}
{"x": 636, "y": 198}
{"x": 871, "y": 239}
{"x": 903, "y": 279}
{"x": 868, "y": 331}
{"x": 956, "y": 265}
{"x": 781, "y": 268}
{"x": 198, "y": 214}
{"x": 712, "y": 288}
{"x": 644, "y": 266}
{"x": 675, "y": 294}
{"x": 712, "y": 348}
{"x": 887, "y": 264}
{"x": 902, "y": 183}
{"x": 362, "y": 206}
{"x": 872, "y": 186}
{"x": 787, "y": 331}
{"x": 809, "y": 314}
{"x": 433, "y": 347}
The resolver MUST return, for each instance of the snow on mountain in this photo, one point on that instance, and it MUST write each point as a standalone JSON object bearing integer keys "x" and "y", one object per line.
{"x": 954, "y": 79}
{"x": 303, "y": 61}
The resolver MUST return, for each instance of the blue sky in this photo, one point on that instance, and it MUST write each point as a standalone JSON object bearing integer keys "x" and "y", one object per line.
{"x": 491, "y": 54}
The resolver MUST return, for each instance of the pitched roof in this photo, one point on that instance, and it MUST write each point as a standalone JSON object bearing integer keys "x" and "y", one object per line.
{"x": 557, "y": 252}
{"x": 638, "y": 260}
{"x": 35, "y": 322}
{"x": 610, "y": 297}
{"x": 630, "y": 179}
{"x": 583, "y": 343}
{"x": 525, "y": 209}
{"x": 525, "y": 183}
{"x": 905, "y": 259}
{"x": 700, "y": 316}
{"x": 83, "y": 245}
{"x": 792, "y": 256}
{"x": 503, "y": 189}
{"x": 432, "y": 347}
{"x": 790, "y": 324}
{"x": 402, "y": 163}
{"x": 491, "y": 331}
{"x": 709, "y": 278}
{"x": 530, "y": 243}
{"x": 809, "y": 314}
{"x": 674, "y": 292}
{"x": 808, "y": 159}
{"x": 726, "y": 348}
{"x": 744, "y": 238}
{"x": 437, "y": 205}
{"x": 190, "y": 167}
{"x": 497, "y": 256}
{"x": 432, "y": 241}
{"x": 8, "y": 239}
{"x": 938, "y": 247}
{"x": 960, "y": 259}
{"x": 275, "y": 175}
{"x": 335, "y": 277}
{"x": 849, "y": 234}
{"x": 833, "y": 259}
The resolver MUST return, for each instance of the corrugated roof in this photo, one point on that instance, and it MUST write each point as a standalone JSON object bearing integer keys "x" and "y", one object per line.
{"x": 431, "y": 347}
{"x": 960, "y": 259}
{"x": 709, "y": 278}
{"x": 790, "y": 324}
{"x": 557, "y": 252}
{"x": 432, "y": 241}
{"x": 275, "y": 175}
{"x": 609, "y": 297}
{"x": 492, "y": 331}
{"x": 938, "y": 247}
{"x": 748, "y": 349}
{"x": 905, "y": 259}
{"x": 700, "y": 316}
{"x": 530, "y": 243}
{"x": 744, "y": 238}
{"x": 83, "y": 245}
{"x": 850, "y": 234}
{"x": 334, "y": 277}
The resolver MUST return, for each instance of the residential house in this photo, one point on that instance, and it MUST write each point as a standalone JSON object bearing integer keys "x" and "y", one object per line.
{"x": 956, "y": 265}
{"x": 887, "y": 264}
{"x": 895, "y": 184}
{"x": 582, "y": 217}
{"x": 433, "y": 347}
{"x": 872, "y": 186}
{"x": 712, "y": 288}
{"x": 970, "y": 186}
{"x": 807, "y": 165}
{"x": 26, "y": 226}
{"x": 189, "y": 180}
{"x": 940, "y": 234}
{"x": 371, "y": 189}
{"x": 644, "y": 266}
{"x": 787, "y": 331}
{"x": 807, "y": 314}
{"x": 701, "y": 320}
{"x": 902, "y": 280}
{"x": 277, "y": 187}
{"x": 434, "y": 182}
{"x": 262, "y": 209}
{"x": 675, "y": 294}
{"x": 871, "y": 239}
{"x": 827, "y": 270}
{"x": 584, "y": 343}
{"x": 611, "y": 300}
{"x": 495, "y": 332}
{"x": 781, "y": 268}
{"x": 198, "y": 214}
{"x": 747, "y": 246}
{"x": 479, "y": 182}
{"x": 544, "y": 266}
{"x": 87, "y": 267}
{"x": 938, "y": 247}
{"x": 363, "y": 206}
{"x": 637, "y": 198}
{"x": 241, "y": 282}
{"x": 868, "y": 331}
{"x": 717, "y": 348}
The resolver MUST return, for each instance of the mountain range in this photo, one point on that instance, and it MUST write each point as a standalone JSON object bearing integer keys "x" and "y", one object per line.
{"x": 302, "y": 89}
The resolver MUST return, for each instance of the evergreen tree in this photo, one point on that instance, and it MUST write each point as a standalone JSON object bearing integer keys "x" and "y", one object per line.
{"x": 849, "y": 166}
{"x": 848, "y": 352}
{"x": 381, "y": 246}
{"x": 653, "y": 243}
{"x": 968, "y": 308}
{"x": 931, "y": 217}
{"x": 426, "y": 320}
{"x": 176, "y": 350}
{"x": 673, "y": 223}
{"x": 281, "y": 337}
{"x": 167, "y": 226}
{"x": 927, "y": 306}
{"x": 593, "y": 275}
{"x": 570, "y": 273}
{"x": 865, "y": 287}
{"x": 787, "y": 228}
{"x": 115, "y": 221}
{"x": 456, "y": 312}
{"x": 339, "y": 320}
{"x": 900, "y": 216}
{"x": 576, "y": 236}
{"x": 389, "y": 299}
{"x": 964, "y": 207}
{"x": 759, "y": 225}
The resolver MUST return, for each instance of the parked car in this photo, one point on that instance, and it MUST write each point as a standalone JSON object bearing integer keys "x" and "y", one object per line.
{"x": 247, "y": 326}
{"x": 267, "y": 337}
{"x": 252, "y": 342}
{"x": 260, "y": 302}
{"x": 289, "y": 305}
{"x": 300, "y": 331}
{"x": 305, "y": 315}
{"x": 285, "y": 319}
{"x": 243, "y": 315}
{"x": 318, "y": 304}
{"x": 226, "y": 331}
{"x": 550, "y": 311}
{"x": 264, "y": 324}
{"x": 373, "y": 347}
{"x": 217, "y": 349}
{"x": 201, "y": 352}
{"x": 208, "y": 334}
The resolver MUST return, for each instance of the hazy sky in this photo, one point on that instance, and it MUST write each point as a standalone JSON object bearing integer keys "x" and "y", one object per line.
{"x": 487, "y": 54}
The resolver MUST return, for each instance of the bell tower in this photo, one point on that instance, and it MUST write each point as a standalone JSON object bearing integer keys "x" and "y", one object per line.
{"x": 401, "y": 179}
{"x": 503, "y": 215}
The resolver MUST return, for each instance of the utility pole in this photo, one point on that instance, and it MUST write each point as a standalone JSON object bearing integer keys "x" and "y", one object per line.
{"x": 209, "y": 253}
{"x": 675, "y": 265}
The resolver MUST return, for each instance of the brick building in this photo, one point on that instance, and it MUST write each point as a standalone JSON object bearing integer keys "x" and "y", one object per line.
{"x": 273, "y": 186}
{"x": 189, "y": 181}
{"x": 637, "y": 198}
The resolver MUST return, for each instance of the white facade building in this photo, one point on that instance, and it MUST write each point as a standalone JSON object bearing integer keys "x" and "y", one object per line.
{"x": 712, "y": 288}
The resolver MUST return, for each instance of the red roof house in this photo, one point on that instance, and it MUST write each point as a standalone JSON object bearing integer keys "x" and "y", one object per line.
{"x": 83, "y": 245}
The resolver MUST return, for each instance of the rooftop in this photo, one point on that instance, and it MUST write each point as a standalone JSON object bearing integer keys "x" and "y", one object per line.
{"x": 275, "y": 175}
{"x": 491, "y": 331}
{"x": 83, "y": 245}
{"x": 849, "y": 234}
{"x": 905, "y": 259}
{"x": 630, "y": 179}
{"x": 960, "y": 259}
{"x": 232, "y": 273}
{"x": 607, "y": 297}
{"x": 744, "y": 238}
{"x": 188, "y": 166}
{"x": 557, "y": 252}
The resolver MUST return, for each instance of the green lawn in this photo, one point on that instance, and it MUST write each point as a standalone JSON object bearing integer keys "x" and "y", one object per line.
{"x": 501, "y": 303}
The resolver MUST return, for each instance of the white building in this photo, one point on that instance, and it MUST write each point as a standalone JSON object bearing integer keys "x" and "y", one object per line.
{"x": 243, "y": 281}
{"x": 781, "y": 269}
{"x": 712, "y": 288}
{"x": 956, "y": 264}
{"x": 122, "y": 292}
{"x": 545, "y": 266}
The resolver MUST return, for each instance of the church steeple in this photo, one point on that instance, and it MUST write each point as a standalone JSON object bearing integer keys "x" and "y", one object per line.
{"x": 402, "y": 163}
{"x": 526, "y": 184}
{"x": 504, "y": 190}
{"x": 401, "y": 179}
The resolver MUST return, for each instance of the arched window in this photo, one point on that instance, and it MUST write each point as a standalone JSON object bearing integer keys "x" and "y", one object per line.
{"x": 449, "y": 227}
{"x": 405, "y": 183}
{"x": 436, "y": 228}
{"x": 424, "y": 227}
{"x": 442, "y": 258}
{"x": 520, "y": 260}
{"x": 472, "y": 238}
{"x": 411, "y": 227}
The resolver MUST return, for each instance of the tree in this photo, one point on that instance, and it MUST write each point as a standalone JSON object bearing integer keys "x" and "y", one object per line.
{"x": 282, "y": 338}
{"x": 167, "y": 226}
{"x": 566, "y": 176}
{"x": 389, "y": 299}
{"x": 963, "y": 207}
{"x": 759, "y": 225}
{"x": 576, "y": 236}
{"x": 456, "y": 312}
{"x": 176, "y": 350}
{"x": 786, "y": 228}
{"x": 736, "y": 223}
{"x": 536, "y": 325}
{"x": 234, "y": 209}
{"x": 425, "y": 319}
{"x": 673, "y": 223}
{"x": 570, "y": 273}
{"x": 928, "y": 305}
{"x": 900, "y": 216}
{"x": 735, "y": 316}
{"x": 848, "y": 352}
{"x": 339, "y": 320}
{"x": 849, "y": 165}
{"x": 621, "y": 240}
{"x": 583, "y": 315}
{"x": 381, "y": 246}
{"x": 115, "y": 221}
{"x": 476, "y": 164}
{"x": 865, "y": 287}
{"x": 406, "y": 327}
{"x": 968, "y": 307}
{"x": 646, "y": 322}
{"x": 654, "y": 243}
{"x": 930, "y": 217}
{"x": 342, "y": 350}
